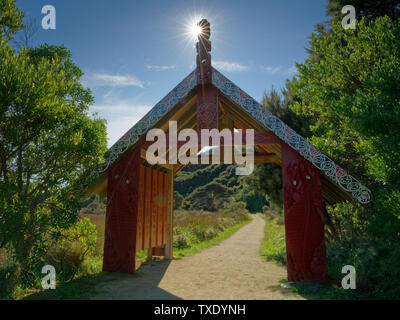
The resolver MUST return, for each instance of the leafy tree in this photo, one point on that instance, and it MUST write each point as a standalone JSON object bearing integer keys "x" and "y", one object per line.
{"x": 266, "y": 179}
{"x": 368, "y": 9}
{"x": 49, "y": 145}
{"x": 354, "y": 92}
{"x": 254, "y": 200}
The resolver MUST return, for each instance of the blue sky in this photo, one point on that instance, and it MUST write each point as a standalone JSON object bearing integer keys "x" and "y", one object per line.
{"x": 134, "y": 52}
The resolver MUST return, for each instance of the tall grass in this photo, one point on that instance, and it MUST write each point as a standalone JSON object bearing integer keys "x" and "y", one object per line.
{"x": 198, "y": 230}
{"x": 273, "y": 245}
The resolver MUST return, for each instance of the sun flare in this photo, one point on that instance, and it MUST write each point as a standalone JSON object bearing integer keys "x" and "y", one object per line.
{"x": 195, "y": 30}
{"x": 189, "y": 29}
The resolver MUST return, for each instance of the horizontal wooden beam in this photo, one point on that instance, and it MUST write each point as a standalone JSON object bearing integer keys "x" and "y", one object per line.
{"x": 260, "y": 138}
{"x": 267, "y": 158}
{"x": 258, "y": 158}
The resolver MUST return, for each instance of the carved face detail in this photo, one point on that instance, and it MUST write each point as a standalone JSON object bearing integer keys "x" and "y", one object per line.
{"x": 301, "y": 177}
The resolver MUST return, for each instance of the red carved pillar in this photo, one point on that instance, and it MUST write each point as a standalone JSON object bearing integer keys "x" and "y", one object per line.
{"x": 122, "y": 214}
{"x": 305, "y": 239}
{"x": 207, "y": 107}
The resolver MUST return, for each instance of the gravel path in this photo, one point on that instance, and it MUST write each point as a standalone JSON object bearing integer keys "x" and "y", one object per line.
{"x": 231, "y": 270}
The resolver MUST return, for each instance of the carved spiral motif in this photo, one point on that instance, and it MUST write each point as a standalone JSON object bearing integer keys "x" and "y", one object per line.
{"x": 277, "y": 127}
{"x": 326, "y": 165}
{"x": 301, "y": 145}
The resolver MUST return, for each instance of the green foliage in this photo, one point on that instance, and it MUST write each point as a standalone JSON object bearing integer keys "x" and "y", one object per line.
{"x": 266, "y": 179}
{"x": 352, "y": 93}
{"x": 354, "y": 90}
{"x": 49, "y": 145}
{"x": 273, "y": 245}
{"x": 69, "y": 248}
{"x": 193, "y": 227}
{"x": 254, "y": 200}
{"x": 82, "y": 288}
{"x": 234, "y": 206}
{"x": 213, "y": 188}
{"x": 181, "y": 241}
{"x": 192, "y": 177}
{"x": 208, "y": 197}
{"x": 349, "y": 221}
{"x": 375, "y": 262}
{"x": 11, "y": 19}
{"x": 279, "y": 105}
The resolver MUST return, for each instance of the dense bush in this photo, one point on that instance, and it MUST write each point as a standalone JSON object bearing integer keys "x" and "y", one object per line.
{"x": 253, "y": 199}
{"x": 376, "y": 264}
{"x": 65, "y": 249}
{"x": 68, "y": 250}
{"x": 181, "y": 241}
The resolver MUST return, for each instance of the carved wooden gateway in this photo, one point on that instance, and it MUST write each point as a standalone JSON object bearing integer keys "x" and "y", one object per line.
{"x": 140, "y": 196}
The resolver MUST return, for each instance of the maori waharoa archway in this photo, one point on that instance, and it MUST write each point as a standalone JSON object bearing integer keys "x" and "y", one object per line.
{"x": 140, "y": 196}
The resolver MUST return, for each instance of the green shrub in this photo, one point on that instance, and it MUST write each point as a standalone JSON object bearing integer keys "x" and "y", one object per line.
{"x": 376, "y": 264}
{"x": 66, "y": 260}
{"x": 204, "y": 232}
{"x": 181, "y": 242}
{"x": 70, "y": 247}
{"x": 234, "y": 206}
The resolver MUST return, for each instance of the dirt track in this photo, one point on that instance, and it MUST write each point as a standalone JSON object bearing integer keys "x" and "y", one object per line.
{"x": 231, "y": 270}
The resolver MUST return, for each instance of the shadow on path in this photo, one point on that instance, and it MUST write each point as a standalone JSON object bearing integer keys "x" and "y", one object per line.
{"x": 144, "y": 285}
